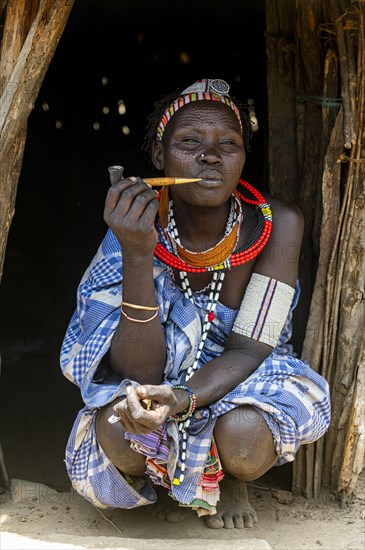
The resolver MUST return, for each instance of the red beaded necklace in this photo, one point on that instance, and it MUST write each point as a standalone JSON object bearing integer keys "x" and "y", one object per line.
{"x": 237, "y": 258}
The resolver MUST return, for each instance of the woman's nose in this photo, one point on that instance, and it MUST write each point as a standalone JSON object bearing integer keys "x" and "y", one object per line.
{"x": 210, "y": 156}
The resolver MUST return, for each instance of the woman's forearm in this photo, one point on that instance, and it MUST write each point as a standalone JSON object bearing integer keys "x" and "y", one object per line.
{"x": 221, "y": 375}
{"x": 138, "y": 350}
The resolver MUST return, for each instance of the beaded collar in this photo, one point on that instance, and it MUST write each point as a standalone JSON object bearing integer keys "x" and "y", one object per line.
{"x": 248, "y": 194}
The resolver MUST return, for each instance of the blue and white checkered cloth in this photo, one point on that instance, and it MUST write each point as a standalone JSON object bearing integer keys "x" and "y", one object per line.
{"x": 292, "y": 398}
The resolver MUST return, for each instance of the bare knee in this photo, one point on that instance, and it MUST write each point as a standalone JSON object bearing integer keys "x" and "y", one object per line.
{"x": 245, "y": 443}
{"x": 117, "y": 448}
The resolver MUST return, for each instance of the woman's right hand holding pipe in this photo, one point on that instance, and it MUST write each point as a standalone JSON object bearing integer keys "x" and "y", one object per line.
{"x": 130, "y": 210}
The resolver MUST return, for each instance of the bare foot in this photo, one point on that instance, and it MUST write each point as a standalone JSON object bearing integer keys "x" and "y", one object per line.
{"x": 170, "y": 511}
{"x": 234, "y": 509}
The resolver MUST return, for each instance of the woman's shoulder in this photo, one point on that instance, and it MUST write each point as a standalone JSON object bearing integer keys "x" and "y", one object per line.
{"x": 285, "y": 212}
{"x": 283, "y": 206}
{"x": 280, "y": 257}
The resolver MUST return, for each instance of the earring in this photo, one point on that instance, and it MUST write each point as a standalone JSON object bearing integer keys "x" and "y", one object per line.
{"x": 252, "y": 115}
{"x": 202, "y": 156}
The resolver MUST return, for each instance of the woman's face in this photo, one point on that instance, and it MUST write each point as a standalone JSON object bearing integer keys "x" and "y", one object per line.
{"x": 202, "y": 140}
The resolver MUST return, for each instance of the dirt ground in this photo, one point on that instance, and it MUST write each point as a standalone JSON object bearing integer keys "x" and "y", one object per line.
{"x": 60, "y": 519}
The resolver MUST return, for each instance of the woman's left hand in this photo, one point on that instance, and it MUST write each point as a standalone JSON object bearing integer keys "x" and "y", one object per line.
{"x": 135, "y": 416}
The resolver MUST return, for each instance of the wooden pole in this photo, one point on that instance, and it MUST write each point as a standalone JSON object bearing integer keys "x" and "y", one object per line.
{"x": 330, "y": 190}
{"x": 313, "y": 343}
{"x": 354, "y": 445}
{"x": 25, "y": 57}
{"x": 346, "y": 324}
{"x": 314, "y": 338}
{"x": 342, "y": 360}
{"x": 32, "y": 31}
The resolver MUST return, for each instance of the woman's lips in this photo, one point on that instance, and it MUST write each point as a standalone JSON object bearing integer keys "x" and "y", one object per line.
{"x": 212, "y": 179}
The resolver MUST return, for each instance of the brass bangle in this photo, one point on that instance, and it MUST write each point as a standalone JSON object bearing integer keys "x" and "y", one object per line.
{"x": 138, "y": 320}
{"x": 135, "y": 306}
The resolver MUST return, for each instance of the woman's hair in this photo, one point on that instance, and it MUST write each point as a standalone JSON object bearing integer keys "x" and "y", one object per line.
{"x": 161, "y": 105}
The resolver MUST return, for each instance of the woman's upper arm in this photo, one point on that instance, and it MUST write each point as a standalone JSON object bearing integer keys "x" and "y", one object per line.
{"x": 279, "y": 260}
{"x": 280, "y": 257}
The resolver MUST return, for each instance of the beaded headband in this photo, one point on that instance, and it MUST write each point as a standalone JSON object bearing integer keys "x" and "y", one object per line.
{"x": 207, "y": 89}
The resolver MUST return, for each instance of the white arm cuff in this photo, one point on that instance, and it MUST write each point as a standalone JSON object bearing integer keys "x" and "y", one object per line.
{"x": 264, "y": 309}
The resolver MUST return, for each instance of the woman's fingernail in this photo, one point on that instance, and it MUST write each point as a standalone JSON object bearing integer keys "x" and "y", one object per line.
{"x": 133, "y": 178}
{"x": 148, "y": 185}
{"x": 129, "y": 390}
{"x": 142, "y": 390}
{"x": 114, "y": 418}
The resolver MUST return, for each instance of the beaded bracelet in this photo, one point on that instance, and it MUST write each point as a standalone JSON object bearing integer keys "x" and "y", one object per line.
{"x": 187, "y": 413}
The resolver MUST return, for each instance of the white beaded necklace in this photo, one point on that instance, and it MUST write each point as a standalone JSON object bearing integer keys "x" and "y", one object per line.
{"x": 215, "y": 288}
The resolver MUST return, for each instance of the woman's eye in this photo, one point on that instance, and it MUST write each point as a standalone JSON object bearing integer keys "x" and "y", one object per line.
{"x": 228, "y": 142}
{"x": 189, "y": 140}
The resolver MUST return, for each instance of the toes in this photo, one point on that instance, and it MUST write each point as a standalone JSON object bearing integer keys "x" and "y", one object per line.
{"x": 177, "y": 516}
{"x": 152, "y": 510}
{"x": 238, "y": 521}
{"x": 162, "y": 513}
{"x": 215, "y": 522}
{"x": 174, "y": 517}
{"x": 158, "y": 511}
{"x": 249, "y": 519}
{"x": 228, "y": 521}
{"x": 165, "y": 513}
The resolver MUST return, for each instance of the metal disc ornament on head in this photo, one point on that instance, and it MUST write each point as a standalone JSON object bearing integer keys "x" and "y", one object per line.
{"x": 115, "y": 173}
{"x": 219, "y": 86}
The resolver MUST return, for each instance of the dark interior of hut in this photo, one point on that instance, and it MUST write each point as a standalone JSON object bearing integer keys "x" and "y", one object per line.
{"x": 113, "y": 60}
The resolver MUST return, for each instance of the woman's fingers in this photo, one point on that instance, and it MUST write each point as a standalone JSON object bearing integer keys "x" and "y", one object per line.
{"x": 136, "y": 412}
{"x": 128, "y": 426}
{"x": 162, "y": 394}
{"x": 138, "y": 419}
{"x": 115, "y": 191}
{"x": 130, "y": 211}
{"x": 123, "y": 194}
{"x": 135, "y": 409}
{"x": 133, "y": 200}
{"x": 122, "y": 410}
{"x": 144, "y": 207}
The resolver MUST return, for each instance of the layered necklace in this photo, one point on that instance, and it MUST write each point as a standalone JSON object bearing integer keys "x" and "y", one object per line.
{"x": 183, "y": 260}
{"x": 216, "y": 259}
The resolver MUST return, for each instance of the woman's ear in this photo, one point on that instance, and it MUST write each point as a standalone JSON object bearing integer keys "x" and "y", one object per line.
{"x": 157, "y": 155}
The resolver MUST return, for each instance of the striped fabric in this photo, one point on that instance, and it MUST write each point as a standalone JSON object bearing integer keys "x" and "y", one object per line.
{"x": 292, "y": 398}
